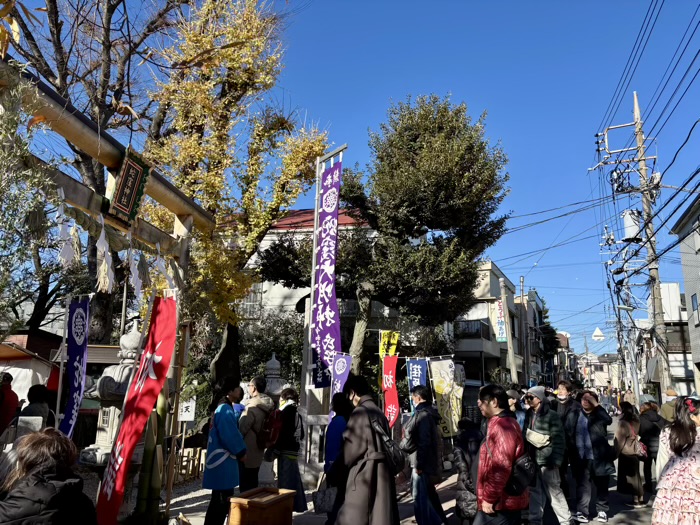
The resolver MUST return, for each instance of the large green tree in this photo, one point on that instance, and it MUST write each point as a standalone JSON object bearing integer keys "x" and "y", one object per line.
{"x": 426, "y": 208}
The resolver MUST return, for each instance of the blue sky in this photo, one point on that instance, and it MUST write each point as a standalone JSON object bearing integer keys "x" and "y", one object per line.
{"x": 544, "y": 71}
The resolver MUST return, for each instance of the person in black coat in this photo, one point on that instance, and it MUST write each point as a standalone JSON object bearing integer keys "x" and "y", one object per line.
{"x": 603, "y": 453}
{"x": 466, "y": 453}
{"x": 43, "y": 489}
{"x": 650, "y": 426}
{"x": 421, "y": 442}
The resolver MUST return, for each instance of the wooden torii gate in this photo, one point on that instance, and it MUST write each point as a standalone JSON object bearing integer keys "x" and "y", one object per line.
{"x": 63, "y": 118}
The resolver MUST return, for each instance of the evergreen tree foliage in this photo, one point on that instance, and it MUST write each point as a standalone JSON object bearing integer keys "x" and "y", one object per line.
{"x": 426, "y": 210}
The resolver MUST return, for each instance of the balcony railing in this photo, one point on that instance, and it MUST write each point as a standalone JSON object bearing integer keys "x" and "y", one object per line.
{"x": 472, "y": 330}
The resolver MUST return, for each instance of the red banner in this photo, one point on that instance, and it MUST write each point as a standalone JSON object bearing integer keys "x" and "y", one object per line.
{"x": 141, "y": 398}
{"x": 391, "y": 395}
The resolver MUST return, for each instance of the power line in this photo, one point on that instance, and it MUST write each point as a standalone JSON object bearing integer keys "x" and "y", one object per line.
{"x": 626, "y": 68}
{"x": 632, "y": 71}
{"x": 589, "y": 201}
{"x": 543, "y": 221}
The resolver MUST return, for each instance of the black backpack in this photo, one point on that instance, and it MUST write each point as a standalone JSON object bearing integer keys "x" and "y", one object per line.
{"x": 394, "y": 456}
{"x": 523, "y": 473}
{"x": 524, "y": 470}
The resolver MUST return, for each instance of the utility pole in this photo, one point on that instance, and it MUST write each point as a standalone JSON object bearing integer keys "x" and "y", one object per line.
{"x": 656, "y": 315}
{"x": 524, "y": 343}
{"x": 588, "y": 359}
{"x": 509, "y": 335}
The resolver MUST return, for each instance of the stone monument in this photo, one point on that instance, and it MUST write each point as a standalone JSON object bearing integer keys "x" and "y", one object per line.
{"x": 275, "y": 385}
{"x": 110, "y": 390}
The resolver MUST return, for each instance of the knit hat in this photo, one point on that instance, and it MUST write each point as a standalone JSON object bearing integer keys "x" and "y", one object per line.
{"x": 646, "y": 398}
{"x": 513, "y": 394}
{"x": 538, "y": 392}
{"x": 671, "y": 392}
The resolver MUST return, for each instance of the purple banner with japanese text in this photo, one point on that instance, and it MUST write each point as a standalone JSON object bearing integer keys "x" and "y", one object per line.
{"x": 78, "y": 323}
{"x": 342, "y": 363}
{"x": 322, "y": 374}
{"x": 325, "y": 321}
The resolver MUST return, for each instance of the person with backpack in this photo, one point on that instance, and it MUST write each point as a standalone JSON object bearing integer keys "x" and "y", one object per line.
{"x": 421, "y": 443}
{"x": 546, "y": 443}
{"x": 370, "y": 492}
{"x": 629, "y": 449}
{"x": 500, "y": 450}
{"x": 286, "y": 448}
{"x": 255, "y": 428}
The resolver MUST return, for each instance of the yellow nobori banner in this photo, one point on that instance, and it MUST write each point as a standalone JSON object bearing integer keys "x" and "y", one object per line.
{"x": 388, "y": 341}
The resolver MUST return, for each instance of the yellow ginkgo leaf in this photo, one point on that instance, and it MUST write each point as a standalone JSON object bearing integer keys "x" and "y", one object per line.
{"x": 4, "y": 41}
{"x": 6, "y": 8}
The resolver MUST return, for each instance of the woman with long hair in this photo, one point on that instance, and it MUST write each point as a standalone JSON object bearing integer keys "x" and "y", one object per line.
{"x": 678, "y": 488}
{"x": 629, "y": 480}
{"x": 43, "y": 487}
{"x": 287, "y": 448}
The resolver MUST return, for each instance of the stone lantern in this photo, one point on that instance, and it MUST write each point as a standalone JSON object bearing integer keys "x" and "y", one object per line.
{"x": 275, "y": 385}
{"x": 110, "y": 390}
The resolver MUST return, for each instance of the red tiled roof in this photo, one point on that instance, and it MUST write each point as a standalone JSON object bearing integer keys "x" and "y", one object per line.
{"x": 304, "y": 220}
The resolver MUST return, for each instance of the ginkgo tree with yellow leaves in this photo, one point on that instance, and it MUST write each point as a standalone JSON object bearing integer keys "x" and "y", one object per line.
{"x": 242, "y": 160}
{"x": 189, "y": 80}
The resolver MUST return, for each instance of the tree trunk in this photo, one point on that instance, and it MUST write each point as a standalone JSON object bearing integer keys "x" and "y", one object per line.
{"x": 364, "y": 299}
{"x": 227, "y": 362}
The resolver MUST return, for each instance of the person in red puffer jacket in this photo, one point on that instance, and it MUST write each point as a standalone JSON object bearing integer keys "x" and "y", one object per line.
{"x": 501, "y": 447}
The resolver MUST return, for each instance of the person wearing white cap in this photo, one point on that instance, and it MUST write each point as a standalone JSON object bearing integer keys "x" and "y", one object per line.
{"x": 668, "y": 409}
{"x": 546, "y": 443}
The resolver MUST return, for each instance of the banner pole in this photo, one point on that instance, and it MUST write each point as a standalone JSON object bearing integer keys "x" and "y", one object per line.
{"x": 139, "y": 351}
{"x": 61, "y": 352}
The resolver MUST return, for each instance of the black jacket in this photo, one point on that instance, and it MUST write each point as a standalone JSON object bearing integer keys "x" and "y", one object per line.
{"x": 48, "y": 498}
{"x": 650, "y": 426}
{"x": 291, "y": 433}
{"x": 465, "y": 504}
{"x": 421, "y": 441}
{"x": 603, "y": 452}
{"x": 569, "y": 412}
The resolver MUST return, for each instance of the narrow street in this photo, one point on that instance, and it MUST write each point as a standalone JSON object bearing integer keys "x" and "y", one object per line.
{"x": 192, "y": 502}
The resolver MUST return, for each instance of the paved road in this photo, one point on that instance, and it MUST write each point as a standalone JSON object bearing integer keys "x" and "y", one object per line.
{"x": 193, "y": 503}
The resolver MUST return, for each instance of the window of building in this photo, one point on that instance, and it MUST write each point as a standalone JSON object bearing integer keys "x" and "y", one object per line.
{"x": 694, "y": 302}
{"x": 250, "y": 306}
{"x": 105, "y": 418}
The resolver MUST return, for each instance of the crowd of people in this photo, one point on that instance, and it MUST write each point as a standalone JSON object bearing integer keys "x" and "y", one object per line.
{"x": 565, "y": 434}
{"x": 533, "y": 449}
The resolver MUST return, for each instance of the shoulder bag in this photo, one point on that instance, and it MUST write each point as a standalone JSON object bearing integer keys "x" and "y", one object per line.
{"x": 324, "y": 496}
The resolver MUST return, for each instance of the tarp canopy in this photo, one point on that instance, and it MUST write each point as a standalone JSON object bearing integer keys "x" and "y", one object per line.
{"x": 26, "y": 372}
